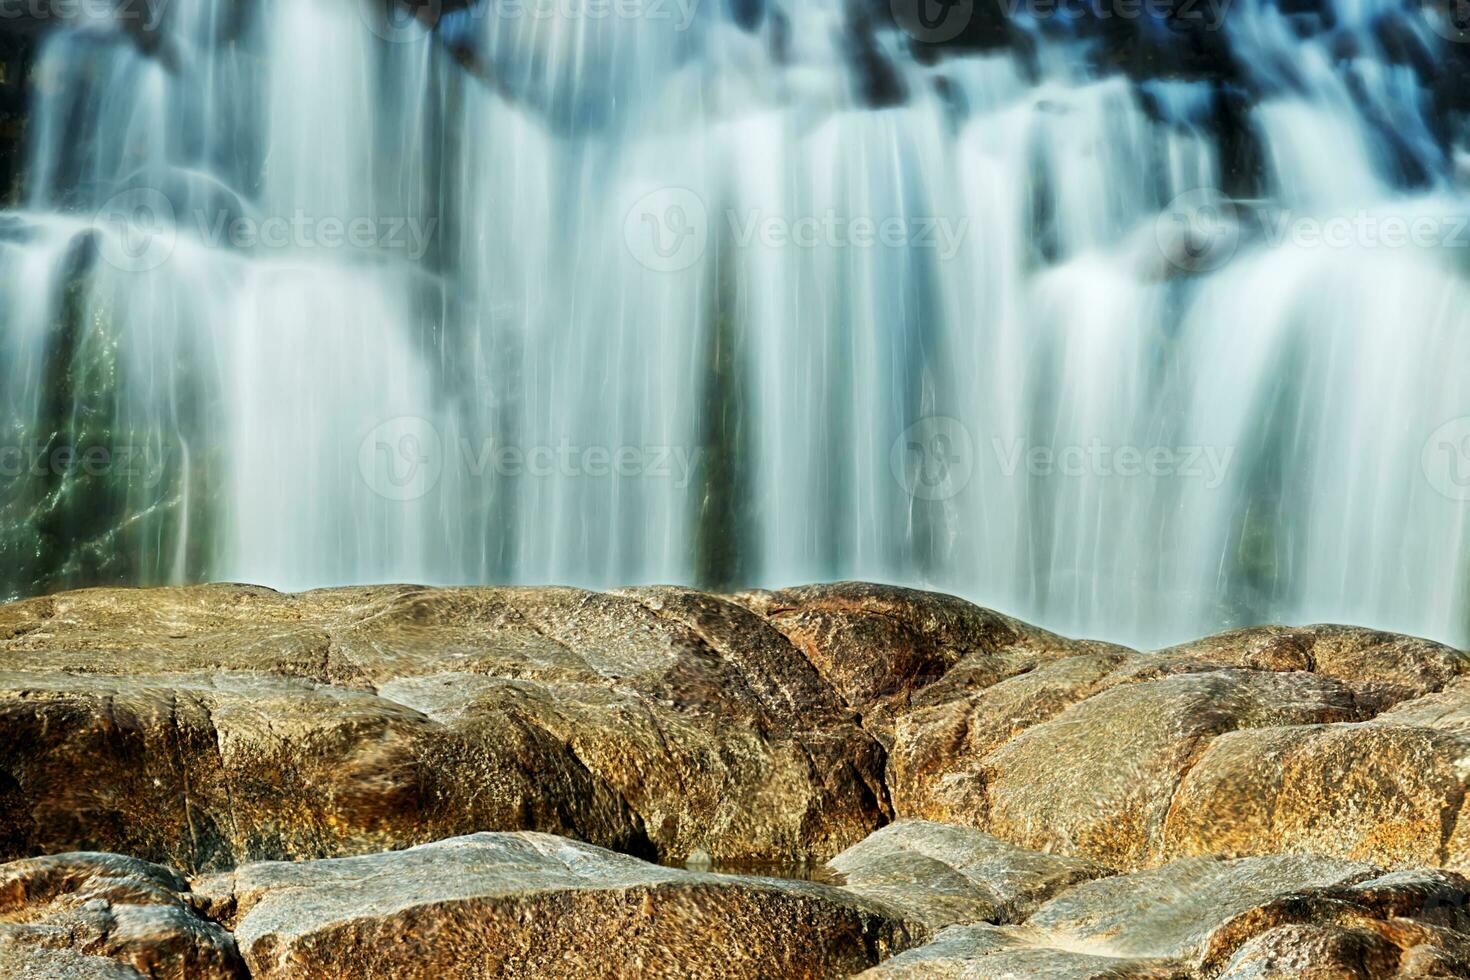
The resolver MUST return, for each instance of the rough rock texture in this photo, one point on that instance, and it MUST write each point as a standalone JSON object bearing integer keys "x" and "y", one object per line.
{"x": 209, "y": 726}
{"x": 942, "y": 875}
{"x": 536, "y": 905}
{"x": 1346, "y": 742}
{"x": 887, "y": 650}
{"x": 983, "y": 952}
{"x": 1392, "y": 794}
{"x": 1273, "y": 802}
{"x": 1254, "y": 917}
{"x": 101, "y": 915}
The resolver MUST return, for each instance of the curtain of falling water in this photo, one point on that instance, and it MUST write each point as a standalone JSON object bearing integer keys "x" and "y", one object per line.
{"x": 617, "y": 320}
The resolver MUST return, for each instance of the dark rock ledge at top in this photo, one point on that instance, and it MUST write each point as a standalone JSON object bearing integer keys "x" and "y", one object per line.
{"x": 364, "y": 782}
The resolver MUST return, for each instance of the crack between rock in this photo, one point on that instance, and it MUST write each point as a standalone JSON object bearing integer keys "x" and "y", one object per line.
{"x": 182, "y": 765}
{"x": 881, "y": 792}
{"x": 224, "y": 775}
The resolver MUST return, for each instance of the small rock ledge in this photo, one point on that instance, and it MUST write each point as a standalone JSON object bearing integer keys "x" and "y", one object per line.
{"x": 225, "y": 781}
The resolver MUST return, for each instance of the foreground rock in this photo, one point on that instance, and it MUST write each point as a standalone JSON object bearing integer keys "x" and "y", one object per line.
{"x": 211, "y": 726}
{"x": 919, "y": 901}
{"x": 1329, "y": 741}
{"x": 101, "y": 915}
{"x": 539, "y": 906}
{"x": 214, "y": 726}
{"x": 940, "y": 874}
{"x": 1276, "y": 917}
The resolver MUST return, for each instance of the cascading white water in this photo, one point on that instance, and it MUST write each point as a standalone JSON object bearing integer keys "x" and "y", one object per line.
{"x": 553, "y": 296}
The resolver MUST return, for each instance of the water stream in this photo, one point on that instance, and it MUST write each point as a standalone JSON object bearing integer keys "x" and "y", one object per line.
{"x": 749, "y": 294}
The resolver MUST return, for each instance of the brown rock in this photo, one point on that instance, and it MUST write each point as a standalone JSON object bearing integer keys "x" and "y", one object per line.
{"x": 1097, "y": 780}
{"x": 1211, "y": 913}
{"x": 1383, "y": 793}
{"x": 1307, "y": 952}
{"x": 533, "y": 905}
{"x": 1192, "y": 910}
{"x": 106, "y": 916}
{"x": 943, "y": 875}
{"x": 1407, "y": 665}
{"x": 235, "y": 723}
{"x": 887, "y": 649}
{"x": 1255, "y": 918}
{"x": 935, "y": 766}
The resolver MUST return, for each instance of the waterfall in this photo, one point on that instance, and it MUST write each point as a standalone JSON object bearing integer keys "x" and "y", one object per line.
{"x": 317, "y": 292}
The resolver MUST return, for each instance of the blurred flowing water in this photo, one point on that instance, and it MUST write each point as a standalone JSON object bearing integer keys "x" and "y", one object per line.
{"x": 746, "y": 293}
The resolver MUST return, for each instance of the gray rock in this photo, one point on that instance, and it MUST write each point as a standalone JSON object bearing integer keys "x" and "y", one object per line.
{"x": 534, "y": 905}
{"x": 944, "y": 875}
{"x": 103, "y": 915}
{"x": 1185, "y": 910}
{"x": 983, "y": 952}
